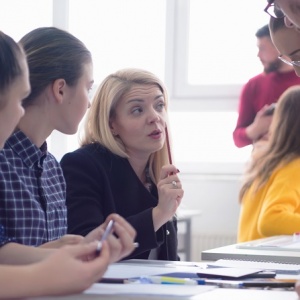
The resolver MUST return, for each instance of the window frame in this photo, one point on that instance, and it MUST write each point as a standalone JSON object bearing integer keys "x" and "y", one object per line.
{"x": 178, "y": 16}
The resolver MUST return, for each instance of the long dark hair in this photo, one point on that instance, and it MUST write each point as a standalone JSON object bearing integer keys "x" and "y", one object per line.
{"x": 10, "y": 55}
{"x": 284, "y": 142}
{"x": 53, "y": 53}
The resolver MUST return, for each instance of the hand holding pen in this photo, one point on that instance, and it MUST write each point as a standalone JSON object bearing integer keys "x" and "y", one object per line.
{"x": 170, "y": 194}
{"x": 121, "y": 243}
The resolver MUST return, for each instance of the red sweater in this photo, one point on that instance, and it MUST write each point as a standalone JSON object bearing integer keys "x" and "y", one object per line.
{"x": 258, "y": 91}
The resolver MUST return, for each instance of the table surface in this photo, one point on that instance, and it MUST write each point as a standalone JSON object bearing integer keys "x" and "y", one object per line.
{"x": 216, "y": 294}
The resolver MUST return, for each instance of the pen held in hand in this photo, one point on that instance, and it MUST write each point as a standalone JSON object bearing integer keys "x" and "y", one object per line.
{"x": 99, "y": 247}
{"x": 107, "y": 231}
{"x": 168, "y": 146}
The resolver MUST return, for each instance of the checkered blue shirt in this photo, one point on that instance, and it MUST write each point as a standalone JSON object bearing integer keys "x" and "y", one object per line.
{"x": 32, "y": 192}
{"x": 3, "y": 238}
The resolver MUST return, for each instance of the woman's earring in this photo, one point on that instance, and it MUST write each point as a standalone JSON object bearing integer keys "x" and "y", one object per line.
{"x": 113, "y": 133}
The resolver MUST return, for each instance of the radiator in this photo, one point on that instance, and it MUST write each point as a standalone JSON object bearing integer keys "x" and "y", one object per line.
{"x": 203, "y": 242}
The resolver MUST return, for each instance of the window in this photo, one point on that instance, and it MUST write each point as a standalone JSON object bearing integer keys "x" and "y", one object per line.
{"x": 215, "y": 47}
{"x": 121, "y": 33}
{"x": 204, "y": 50}
{"x": 18, "y": 17}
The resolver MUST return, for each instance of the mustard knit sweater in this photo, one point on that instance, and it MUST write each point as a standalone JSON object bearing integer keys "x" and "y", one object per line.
{"x": 275, "y": 208}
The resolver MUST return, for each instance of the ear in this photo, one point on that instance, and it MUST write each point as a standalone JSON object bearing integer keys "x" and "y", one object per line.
{"x": 59, "y": 89}
{"x": 112, "y": 128}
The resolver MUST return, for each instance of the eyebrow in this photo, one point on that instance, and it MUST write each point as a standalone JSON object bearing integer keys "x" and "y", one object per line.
{"x": 141, "y": 100}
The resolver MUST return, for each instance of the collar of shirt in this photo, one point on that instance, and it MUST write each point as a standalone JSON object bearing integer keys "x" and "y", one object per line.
{"x": 25, "y": 149}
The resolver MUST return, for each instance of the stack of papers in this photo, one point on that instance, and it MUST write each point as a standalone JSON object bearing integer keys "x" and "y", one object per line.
{"x": 280, "y": 268}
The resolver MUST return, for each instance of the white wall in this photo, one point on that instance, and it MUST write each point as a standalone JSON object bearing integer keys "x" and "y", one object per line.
{"x": 216, "y": 197}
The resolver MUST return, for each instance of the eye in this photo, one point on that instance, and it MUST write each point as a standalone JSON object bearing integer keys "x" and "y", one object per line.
{"x": 136, "y": 110}
{"x": 160, "y": 106}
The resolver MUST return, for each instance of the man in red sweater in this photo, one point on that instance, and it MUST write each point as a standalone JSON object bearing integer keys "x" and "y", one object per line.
{"x": 261, "y": 91}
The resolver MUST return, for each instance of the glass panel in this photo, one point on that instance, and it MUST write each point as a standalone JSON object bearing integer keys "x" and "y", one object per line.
{"x": 206, "y": 137}
{"x": 18, "y": 17}
{"x": 222, "y": 42}
{"x": 121, "y": 33}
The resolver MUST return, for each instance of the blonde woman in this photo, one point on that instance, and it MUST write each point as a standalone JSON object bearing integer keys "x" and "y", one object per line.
{"x": 123, "y": 164}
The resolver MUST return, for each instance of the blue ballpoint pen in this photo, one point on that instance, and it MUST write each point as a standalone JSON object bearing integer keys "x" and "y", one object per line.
{"x": 189, "y": 281}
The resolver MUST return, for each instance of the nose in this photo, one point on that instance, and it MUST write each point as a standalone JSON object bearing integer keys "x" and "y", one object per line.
{"x": 297, "y": 70}
{"x": 154, "y": 116}
{"x": 288, "y": 23}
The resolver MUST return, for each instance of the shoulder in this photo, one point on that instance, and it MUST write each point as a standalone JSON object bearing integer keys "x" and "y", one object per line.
{"x": 289, "y": 172}
{"x": 256, "y": 81}
{"x": 293, "y": 166}
{"x": 257, "y": 78}
{"x": 92, "y": 152}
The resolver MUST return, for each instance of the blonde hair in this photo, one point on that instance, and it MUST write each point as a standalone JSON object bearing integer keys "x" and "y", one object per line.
{"x": 103, "y": 109}
{"x": 283, "y": 145}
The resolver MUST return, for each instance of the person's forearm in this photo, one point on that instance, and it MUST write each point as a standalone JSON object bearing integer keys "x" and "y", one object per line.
{"x": 252, "y": 132}
{"x": 67, "y": 239}
{"x": 159, "y": 218}
{"x": 16, "y": 282}
{"x": 16, "y": 254}
{"x": 23, "y": 281}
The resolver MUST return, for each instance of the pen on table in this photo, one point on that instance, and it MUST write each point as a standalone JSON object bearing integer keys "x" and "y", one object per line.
{"x": 218, "y": 283}
{"x": 269, "y": 284}
{"x": 187, "y": 281}
{"x": 113, "y": 280}
{"x": 166, "y": 280}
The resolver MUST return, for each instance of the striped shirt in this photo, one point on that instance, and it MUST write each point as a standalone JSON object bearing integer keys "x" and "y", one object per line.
{"x": 32, "y": 192}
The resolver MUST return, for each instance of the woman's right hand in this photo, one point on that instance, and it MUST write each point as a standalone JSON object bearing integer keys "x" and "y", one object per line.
{"x": 170, "y": 194}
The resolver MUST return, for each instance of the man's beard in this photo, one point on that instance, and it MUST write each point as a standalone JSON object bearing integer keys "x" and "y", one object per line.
{"x": 273, "y": 66}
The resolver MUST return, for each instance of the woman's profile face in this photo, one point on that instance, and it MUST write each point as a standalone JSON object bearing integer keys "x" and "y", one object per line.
{"x": 76, "y": 102}
{"x": 287, "y": 42}
{"x": 12, "y": 111}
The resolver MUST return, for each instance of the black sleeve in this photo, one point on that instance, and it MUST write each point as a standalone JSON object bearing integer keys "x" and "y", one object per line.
{"x": 90, "y": 199}
{"x": 84, "y": 193}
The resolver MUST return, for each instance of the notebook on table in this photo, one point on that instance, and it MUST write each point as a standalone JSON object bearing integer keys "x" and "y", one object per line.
{"x": 275, "y": 243}
{"x": 280, "y": 268}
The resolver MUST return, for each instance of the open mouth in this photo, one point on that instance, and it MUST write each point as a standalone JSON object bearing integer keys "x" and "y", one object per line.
{"x": 155, "y": 133}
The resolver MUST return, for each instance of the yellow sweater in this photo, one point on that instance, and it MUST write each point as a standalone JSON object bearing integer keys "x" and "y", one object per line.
{"x": 275, "y": 208}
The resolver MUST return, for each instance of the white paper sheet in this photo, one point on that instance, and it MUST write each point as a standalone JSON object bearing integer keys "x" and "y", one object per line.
{"x": 125, "y": 271}
{"x": 147, "y": 289}
{"x": 248, "y": 294}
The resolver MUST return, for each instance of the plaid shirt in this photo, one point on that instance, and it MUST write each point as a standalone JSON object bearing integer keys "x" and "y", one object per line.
{"x": 3, "y": 238}
{"x": 32, "y": 192}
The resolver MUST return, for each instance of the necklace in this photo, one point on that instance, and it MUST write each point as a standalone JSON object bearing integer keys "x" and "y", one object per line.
{"x": 148, "y": 181}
